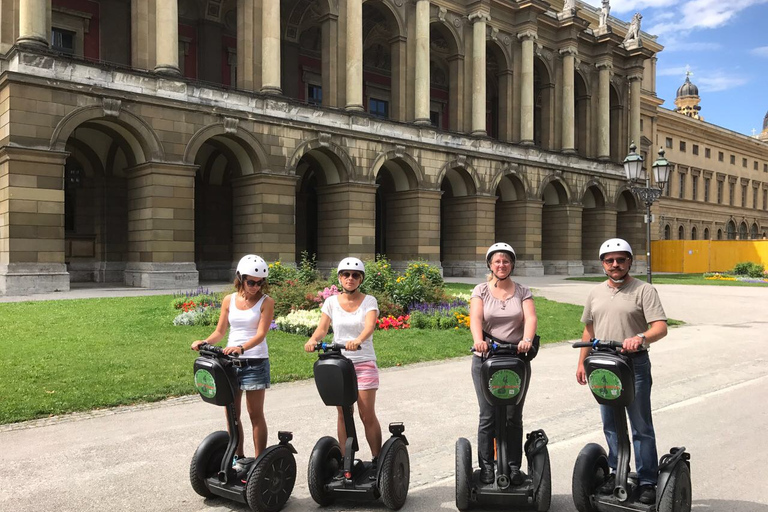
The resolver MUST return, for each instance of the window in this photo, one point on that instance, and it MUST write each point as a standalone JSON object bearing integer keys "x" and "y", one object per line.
{"x": 695, "y": 149}
{"x": 731, "y": 193}
{"x": 681, "y": 190}
{"x": 434, "y": 118}
{"x": 682, "y": 146}
{"x": 669, "y": 142}
{"x": 694, "y": 187}
{"x": 754, "y": 198}
{"x": 667, "y": 233}
{"x": 733, "y": 159}
{"x": 719, "y": 192}
{"x": 694, "y": 234}
{"x": 765, "y": 167}
{"x": 707, "y": 153}
{"x": 314, "y": 94}
{"x": 706, "y": 189}
{"x": 744, "y": 162}
{"x": 765, "y": 199}
{"x": 378, "y": 108}
{"x": 706, "y": 233}
{"x": 720, "y": 156}
{"x": 755, "y": 166}
{"x": 743, "y": 196}
{"x": 63, "y": 40}
{"x": 681, "y": 233}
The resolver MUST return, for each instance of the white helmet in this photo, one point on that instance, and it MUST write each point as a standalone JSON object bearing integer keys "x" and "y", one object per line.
{"x": 499, "y": 247}
{"x": 615, "y": 245}
{"x": 352, "y": 264}
{"x": 252, "y": 265}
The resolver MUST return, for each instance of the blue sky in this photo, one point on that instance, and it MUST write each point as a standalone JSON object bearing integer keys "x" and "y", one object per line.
{"x": 725, "y": 45}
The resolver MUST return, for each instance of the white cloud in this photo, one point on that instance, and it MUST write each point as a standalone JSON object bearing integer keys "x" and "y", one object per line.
{"x": 719, "y": 81}
{"x": 675, "y": 71}
{"x": 760, "y": 52}
{"x": 682, "y": 46}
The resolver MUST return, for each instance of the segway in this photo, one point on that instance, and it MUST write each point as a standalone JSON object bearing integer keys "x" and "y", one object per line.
{"x": 611, "y": 377}
{"x": 330, "y": 476}
{"x": 506, "y": 374}
{"x": 263, "y": 483}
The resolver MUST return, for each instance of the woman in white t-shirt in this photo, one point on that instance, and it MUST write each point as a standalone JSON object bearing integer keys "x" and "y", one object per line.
{"x": 353, "y": 316}
{"x": 247, "y": 314}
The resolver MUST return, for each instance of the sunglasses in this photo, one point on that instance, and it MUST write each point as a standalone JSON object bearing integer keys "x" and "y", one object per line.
{"x": 619, "y": 261}
{"x": 353, "y": 275}
{"x": 251, "y": 282}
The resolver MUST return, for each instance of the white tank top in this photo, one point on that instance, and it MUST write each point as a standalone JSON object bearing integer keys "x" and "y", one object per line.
{"x": 243, "y": 325}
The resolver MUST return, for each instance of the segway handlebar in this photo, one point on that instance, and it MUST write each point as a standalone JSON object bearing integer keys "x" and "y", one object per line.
{"x": 325, "y": 347}
{"x": 596, "y": 343}
{"x": 215, "y": 351}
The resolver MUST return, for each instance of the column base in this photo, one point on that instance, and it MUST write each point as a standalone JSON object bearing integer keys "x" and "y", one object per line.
{"x": 569, "y": 151}
{"x": 96, "y": 272}
{"x": 161, "y": 276}
{"x": 168, "y": 70}
{"x": 30, "y": 278}
{"x": 528, "y": 269}
{"x": 33, "y": 42}
{"x": 564, "y": 267}
{"x": 592, "y": 267}
{"x": 423, "y": 122}
{"x": 216, "y": 271}
{"x": 479, "y": 133}
{"x": 355, "y": 108}
{"x": 464, "y": 269}
{"x": 526, "y": 143}
{"x": 604, "y": 158}
{"x": 271, "y": 89}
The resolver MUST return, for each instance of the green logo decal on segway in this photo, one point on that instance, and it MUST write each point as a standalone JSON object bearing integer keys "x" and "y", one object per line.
{"x": 205, "y": 384}
{"x": 605, "y": 384}
{"x": 504, "y": 384}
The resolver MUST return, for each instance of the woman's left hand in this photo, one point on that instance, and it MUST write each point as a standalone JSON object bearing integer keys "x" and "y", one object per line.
{"x": 523, "y": 347}
{"x": 233, "y": 350}
{"x": 353, "y": 344}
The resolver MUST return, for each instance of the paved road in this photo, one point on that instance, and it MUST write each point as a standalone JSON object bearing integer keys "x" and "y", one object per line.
{"x": 710, "y": 394}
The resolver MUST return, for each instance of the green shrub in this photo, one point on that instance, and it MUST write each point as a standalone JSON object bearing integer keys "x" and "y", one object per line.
{"x": 387, "y": 306}
{"x": 430, "y": 272}
{"x": 421, "y": 282}
{"x": 292, "y": 295}
{"x": 748, "y": 268}
{"x": 279, "y": 273}
{"x": 378, "y": 275}
{"x": 307, "y": 270}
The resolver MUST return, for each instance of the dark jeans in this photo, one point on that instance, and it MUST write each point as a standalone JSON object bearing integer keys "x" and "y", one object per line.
{"x": 486, "y": 429}
{"x": 643, "y": 435}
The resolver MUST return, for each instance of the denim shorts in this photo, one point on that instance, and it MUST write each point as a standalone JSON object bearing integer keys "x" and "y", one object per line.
{"x": 255, "y": 377}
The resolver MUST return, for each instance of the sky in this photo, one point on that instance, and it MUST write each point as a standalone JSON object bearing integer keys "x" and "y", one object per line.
{"x": 724, "y": 44}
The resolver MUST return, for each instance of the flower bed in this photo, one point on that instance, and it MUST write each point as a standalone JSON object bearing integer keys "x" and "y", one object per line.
{"x": 302, "y": 322}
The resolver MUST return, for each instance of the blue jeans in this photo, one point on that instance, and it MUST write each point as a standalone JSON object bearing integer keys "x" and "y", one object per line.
{"x": 643, "y": 435}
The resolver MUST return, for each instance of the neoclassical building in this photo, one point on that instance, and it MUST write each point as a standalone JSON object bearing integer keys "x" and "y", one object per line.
{"x": 154, "y": 142}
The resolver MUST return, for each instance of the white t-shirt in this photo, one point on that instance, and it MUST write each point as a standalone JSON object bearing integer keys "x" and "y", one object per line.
{"x": 348, "y": 326}
{"x": 243, "y": 325}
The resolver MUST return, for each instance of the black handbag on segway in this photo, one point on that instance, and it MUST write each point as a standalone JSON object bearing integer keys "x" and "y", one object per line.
{"x": 506, "y": 374}
{"x": 264, "y": 483}
{"x": 611, "y": 378}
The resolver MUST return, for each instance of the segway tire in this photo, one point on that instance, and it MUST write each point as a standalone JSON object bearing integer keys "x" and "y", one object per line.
{"x": 324, "y": 463}
{"x": 589, "y": 472}
{"x": 543, "y": 495}
{"x": 206, "y": 462}
{"x": 677, "y": 495}
{"x": 463, "y": 474}
{"x": 271, "y": 482}
{"x": 395, "y": 476}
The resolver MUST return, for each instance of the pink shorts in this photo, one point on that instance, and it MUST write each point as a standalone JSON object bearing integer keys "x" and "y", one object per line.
{"x": 367, "y": 375}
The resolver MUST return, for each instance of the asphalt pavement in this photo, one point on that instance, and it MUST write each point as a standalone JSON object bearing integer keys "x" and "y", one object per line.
{"x": 710, "y": 394}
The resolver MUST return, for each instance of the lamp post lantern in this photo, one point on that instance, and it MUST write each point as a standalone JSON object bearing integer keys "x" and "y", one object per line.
{"x": 633, "y": 167}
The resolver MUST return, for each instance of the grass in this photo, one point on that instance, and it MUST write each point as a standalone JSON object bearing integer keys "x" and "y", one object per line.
{"x": 76, "y": 355}
{"x": 696, "y": 279}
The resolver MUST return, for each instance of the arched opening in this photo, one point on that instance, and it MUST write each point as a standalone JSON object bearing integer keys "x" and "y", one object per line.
{"x": 208, "y": 41}
{"x": 498, "y": 85}
{"x": 667, "y": 232}
{"x": 510, "y": 214}
{"x": 618, "y": 147}
{"x": 753, "y": 232}
{"x": 543, "y": 88}
{"x": 719, "y": 234}
{"x": 593, "y": 227}
{"x": 694, "y": 233}
{"x": 743, "y": 232}
{"x": 445, "y": 69}
{"x": 630, "y": 225}
{"x": 731, "y": 230}
{"x": 458, "y": 190}
{"x": 383, "y": 49}
{"x": 706, "y": 233}
{"x": 681, "y": 233}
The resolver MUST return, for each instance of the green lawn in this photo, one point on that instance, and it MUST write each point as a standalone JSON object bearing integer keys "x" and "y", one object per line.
{"x": 75, "y": 355}
{"x": 678, "y": 279}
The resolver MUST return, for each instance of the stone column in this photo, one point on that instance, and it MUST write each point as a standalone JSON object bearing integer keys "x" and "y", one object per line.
{"x": 263, "y": 216}
{"x": 167, "y": 37}
{"x": 505, "y": 105}
{"x": 528, "y": 39}
{"x": 355, "y": 55}
{"x": 518, "y": 223}
{"x": 330, "y": 60}
{"x": 347, "y": 213}
{"x": 161, "y": 226}
{"x": 604, "y": 111}
{"x": 398, "y": 47}
{"x": 32, "y": 222}
{"x": 270, "y": 47}
{"x": 479, "y": 99}
{"x": 469, "y": 231}
{"x": 421, "y": 94}
{"x": 249, "y": 45}
{"x": 142, "y": 35}
{"x": 413, "y": 227}
{"x": 634, "y": 109}
{"x": 569, "y": 100}
{"x": 33, "y": 23}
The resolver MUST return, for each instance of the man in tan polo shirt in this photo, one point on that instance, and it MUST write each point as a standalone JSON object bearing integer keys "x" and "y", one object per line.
{"x": 623, "y": 308}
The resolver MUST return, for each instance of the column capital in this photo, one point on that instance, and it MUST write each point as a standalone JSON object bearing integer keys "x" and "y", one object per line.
{"x": 479, "y": 16}
{"x": 604, "y": 65}
{"x": 526, "y": 35}
{"x": 569, "y": 50}
{"x": 635, "y": 78}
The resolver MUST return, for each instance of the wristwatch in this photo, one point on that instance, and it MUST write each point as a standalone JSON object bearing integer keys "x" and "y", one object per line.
{"x": 242, "y": 349}
{"x": 646, "y": 344}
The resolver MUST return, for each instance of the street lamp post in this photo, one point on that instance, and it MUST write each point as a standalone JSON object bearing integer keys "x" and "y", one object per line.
{"x": 633, "y": 167}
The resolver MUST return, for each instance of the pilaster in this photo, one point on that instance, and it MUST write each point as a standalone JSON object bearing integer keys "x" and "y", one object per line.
{"x": 355, "y": 55}
{"x": 422, "y": 80}
{"x": 518, "y": 223}
{"x": 479, "y": 22}
{"x": 604, "y": 110}
{"x": 347, "y": 214}
{"x": 528, "y": 39}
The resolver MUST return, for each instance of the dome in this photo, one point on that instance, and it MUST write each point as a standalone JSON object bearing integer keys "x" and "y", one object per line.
{"x": 765, "y": 122}
{"x": 687, "y": 89}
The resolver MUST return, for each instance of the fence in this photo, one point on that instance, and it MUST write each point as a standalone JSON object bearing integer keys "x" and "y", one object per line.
{"x": 698, "y": 256}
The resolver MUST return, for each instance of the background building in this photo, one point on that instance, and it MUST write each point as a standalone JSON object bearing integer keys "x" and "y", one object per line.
{"x": 154, "y": 142}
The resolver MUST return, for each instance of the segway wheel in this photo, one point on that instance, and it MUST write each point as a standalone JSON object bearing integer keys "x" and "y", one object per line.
{"x": 395, "y": 476}
{"x": 677, "y": 495}
{"x": 271, "y": 482}
{"x": 206, "y": 462}
{"x": 543, "y": 495}
{"x": 463, "y": 474}
{"x": 324, "y": 463}
{"x": 589, "y": 472}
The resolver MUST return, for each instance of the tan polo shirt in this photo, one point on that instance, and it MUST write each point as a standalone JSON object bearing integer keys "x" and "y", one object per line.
{"x": 620, "y": 313}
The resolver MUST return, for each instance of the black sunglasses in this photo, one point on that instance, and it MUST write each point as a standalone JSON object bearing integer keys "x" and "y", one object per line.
{"x": 251, "y": 282}
{"x": 620, "y": 261}
{"x": 353, "y": 275}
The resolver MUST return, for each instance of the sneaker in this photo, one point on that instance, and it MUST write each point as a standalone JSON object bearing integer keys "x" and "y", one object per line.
{"x": 374, "y": 468}
{"x": 609, "y": 484}
{"x": 647, "y": 494}
{"x": 516, "y": 476}
{"x": 486, "y": 475}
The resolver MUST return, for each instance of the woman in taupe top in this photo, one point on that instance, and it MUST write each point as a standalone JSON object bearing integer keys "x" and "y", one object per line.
{"x": 504, "y": 309}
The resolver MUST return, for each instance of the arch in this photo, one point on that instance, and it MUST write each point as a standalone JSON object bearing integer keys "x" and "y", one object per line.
{"x": 388, "y": 12}
{"x": 144, "y": 142}
{"x": 335, "y": 162}
{"x": 753, "y": 233}
{"x": 694, "y": 233}
{"x": 681, "y": 232}
{"x": 595, "y": 184}
{"x": 706, "y": 234}
{"x": 243, "y": 145}
{"x": 743, "y": 231}
{"x": 730, "y": 229}
{"x": 472, "y": 185}
{"x": 668, "y": 232}
{"x": 499, "y": 49}
{"x": 405, "y": 167}
{"x": 621, "y": 196}
{"x": 292, "y": 23}
{"x": 561, "y": 187}
{"x": 455, "y": 39}
{"x": 513, "y": 177}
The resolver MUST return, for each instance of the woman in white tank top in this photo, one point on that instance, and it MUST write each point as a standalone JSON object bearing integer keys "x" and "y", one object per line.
{"x": 247, "y": 314}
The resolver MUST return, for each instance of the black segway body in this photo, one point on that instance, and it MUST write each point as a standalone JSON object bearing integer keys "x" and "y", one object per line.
{"x": 330, "y": 476}
{"x": 264, "y": 483}
{"x": 611, "y": 378}
{"x": 506, "y": 376}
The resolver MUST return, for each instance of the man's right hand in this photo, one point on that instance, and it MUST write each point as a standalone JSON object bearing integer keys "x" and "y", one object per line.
{"x": 581, "y": 374}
